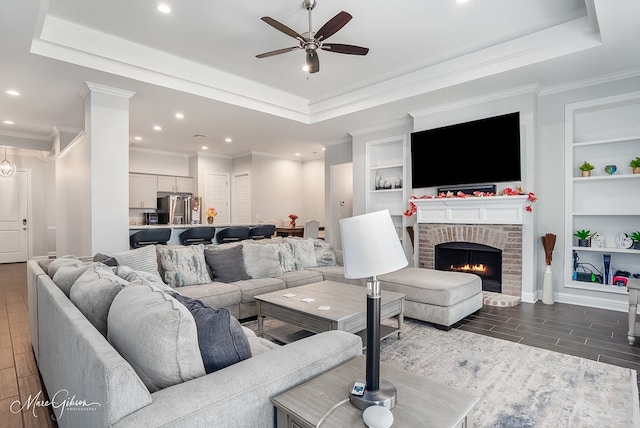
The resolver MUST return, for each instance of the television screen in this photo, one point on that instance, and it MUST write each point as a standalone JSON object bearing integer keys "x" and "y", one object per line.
{"x": 485, "y": 151}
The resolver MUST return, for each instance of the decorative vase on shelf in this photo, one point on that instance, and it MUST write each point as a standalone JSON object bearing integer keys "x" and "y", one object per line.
{"x": 210, "y": 220}
{"x": 610, "y": 169}
{"x": 636, "y": 170}
{"x": 583, "y": 242}
{"x": 292, "y": 224}
{"x": 378, "y": 180}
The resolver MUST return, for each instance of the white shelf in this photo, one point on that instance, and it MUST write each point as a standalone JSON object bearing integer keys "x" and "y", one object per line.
{"x": 597, "y": 287}
{"x": 602, "y": 132}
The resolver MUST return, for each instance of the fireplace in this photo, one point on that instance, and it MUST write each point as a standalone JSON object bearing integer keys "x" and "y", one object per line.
{"x": 482, "y": 260}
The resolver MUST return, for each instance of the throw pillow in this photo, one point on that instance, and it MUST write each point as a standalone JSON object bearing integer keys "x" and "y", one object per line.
{"x": 62, "y": 261}
{"x": 107, "y": 260}
{"x": 138, "y": 276}
{"x": 220, "y": 336}
{"x": 304, "y": 251}
{"x": 325, "y": 255}
{"x": 93, "y": 293}
{"x": 156, "y": 334}
{"x": 261, "y": 261}
{"x": 288, "y": 261}
{"x": 184, "y": 266}
{"x": 67, "y": 275}
{"x": 226, "y": 263}
{"x": 143, "y": 258}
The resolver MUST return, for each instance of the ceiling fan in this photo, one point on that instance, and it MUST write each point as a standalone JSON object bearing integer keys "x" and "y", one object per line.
{"x": 311, "y": 41}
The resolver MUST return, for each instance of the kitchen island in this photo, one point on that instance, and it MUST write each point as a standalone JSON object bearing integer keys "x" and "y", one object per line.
{"x": 177, "y": 229}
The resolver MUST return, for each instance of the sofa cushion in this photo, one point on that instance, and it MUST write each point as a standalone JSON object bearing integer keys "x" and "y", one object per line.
{"x": 214, "y": 294}
{"x": 220, "y": 336}
{"x": 260, "y": 260}
{"x": 184, "y": 265}
{"x": 143, "y": 258}
{"x": 301, "y": 277}
{"x": 156, "y": 334}
{"x": 325, "y": 256}
{"x": 304, "y": 251}
{"x": 93, "y": 293}
{"x": 68, "y": 274}
{"x": 226, "y": 263}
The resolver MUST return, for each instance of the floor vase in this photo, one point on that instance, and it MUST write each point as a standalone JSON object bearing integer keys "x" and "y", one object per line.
{"x": 547, "y": 287}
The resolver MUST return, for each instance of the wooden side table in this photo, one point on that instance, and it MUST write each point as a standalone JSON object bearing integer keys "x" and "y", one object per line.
{"x": 325, "y": 399}
{"x": 633, "y": 285}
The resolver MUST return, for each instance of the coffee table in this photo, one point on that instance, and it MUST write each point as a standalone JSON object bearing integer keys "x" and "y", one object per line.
{"x": 325, "y": 399}
{"x": 347, "y": 310}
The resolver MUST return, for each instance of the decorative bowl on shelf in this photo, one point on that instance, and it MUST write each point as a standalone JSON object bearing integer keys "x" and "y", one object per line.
{"x": 610, "y": 169}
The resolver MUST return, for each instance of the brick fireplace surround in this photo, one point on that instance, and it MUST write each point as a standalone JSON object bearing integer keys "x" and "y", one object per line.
{"x": 497, "y": 221}
{"x": 507, "y": 238}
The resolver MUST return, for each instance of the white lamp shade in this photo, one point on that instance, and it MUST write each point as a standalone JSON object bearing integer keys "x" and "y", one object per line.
{"x": 370, "y": 245}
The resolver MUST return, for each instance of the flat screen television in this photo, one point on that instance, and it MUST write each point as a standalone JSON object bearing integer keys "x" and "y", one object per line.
{"x": 485, "y": 151}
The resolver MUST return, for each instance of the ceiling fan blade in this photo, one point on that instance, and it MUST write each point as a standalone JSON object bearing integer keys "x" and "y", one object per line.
{"x": 344, "y": 49}
{"x": 313, "y": 62}
{"x": 278, "y": 52}
{"x": 281, "y": 27}
{"x": 333, "y": 25}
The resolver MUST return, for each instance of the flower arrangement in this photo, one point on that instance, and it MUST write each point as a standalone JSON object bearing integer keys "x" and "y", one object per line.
{"x": 293, "y": 217}
{"x": 211, "y": 212}
{"x": 586, "y": 166}
{"x": 508, "y": 191}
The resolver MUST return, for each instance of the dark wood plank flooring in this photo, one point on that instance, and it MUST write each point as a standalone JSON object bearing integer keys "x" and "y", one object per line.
{"x": 596, "y": 334}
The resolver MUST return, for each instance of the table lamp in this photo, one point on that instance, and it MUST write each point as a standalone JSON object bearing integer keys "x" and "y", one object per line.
{"x": 371, "y": 247}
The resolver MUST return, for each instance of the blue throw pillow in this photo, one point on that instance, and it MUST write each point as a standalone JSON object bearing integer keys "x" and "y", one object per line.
{"x": 220, "y": 336}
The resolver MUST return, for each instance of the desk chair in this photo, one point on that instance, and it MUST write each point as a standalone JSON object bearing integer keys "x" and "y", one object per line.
{"x": 232, "y": 234}
{"x": 262, "y": 231}
{"x": 198, "y": 235}
{"x": 311, "y": 228}
{"x": 150, "y": 237}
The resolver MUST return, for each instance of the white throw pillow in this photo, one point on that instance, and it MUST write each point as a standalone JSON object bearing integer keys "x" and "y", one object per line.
{"x": 143, "y": 258}
{"x": 261, "y": 261}
{"x": 184, "y": 265}
{"x": 304, "y": 251}
{"x": 156, "y": 334}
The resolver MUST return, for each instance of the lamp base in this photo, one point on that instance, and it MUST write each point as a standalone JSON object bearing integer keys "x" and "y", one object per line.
{"x": 385, "y": 396}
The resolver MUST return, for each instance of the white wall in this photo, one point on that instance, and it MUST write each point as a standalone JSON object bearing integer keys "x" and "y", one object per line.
{"x": 313, "y": 194}
{"x": 160, "y": 163}
{"x": 277, "y": 188}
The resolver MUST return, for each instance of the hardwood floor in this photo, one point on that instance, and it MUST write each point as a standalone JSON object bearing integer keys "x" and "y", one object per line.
{"x": 596, "y": 334}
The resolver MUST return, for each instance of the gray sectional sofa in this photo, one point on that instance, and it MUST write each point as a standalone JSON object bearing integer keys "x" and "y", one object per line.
{"x": 89, "y": 322}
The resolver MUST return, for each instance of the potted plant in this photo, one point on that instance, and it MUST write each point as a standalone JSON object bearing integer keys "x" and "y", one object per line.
{"x": 586, "y": 168}
{"x": 636, "y": 239}
{"x": 635, "y": 165}
{"x": 583, "y": 237}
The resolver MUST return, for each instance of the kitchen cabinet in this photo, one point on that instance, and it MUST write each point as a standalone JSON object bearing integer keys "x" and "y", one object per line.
{"x": 385, "y": 181}
{"x": 167, "y": 183}
{"x": 143, "y": 191}
{"x": 603, "y": 132}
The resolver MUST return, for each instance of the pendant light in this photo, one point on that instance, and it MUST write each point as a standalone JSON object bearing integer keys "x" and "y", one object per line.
{"x": 7, "y": 168}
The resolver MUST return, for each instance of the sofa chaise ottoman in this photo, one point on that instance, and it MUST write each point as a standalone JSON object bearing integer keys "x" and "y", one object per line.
{"x": 438, "y": 297}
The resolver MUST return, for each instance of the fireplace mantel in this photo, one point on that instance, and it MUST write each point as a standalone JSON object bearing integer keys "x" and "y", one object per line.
{"x": 472, "y": 210}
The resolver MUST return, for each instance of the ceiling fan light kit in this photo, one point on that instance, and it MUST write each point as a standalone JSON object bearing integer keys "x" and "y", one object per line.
{"x": 311, "y": 41}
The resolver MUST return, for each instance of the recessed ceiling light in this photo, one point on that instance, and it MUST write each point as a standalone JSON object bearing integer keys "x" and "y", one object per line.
{"x": 157, "y": 128}
{"x": 8, "y": 122}
{"x": 205, "y": 148}
{"x": 164, "y": 8}
{"x": 13, "y": 92}
{"x": 137, "y": 138}
{"x": 461, "y": 1}
{"x": 228, "y": 140}
{"x": 297, "y": 154}
{"x": 179, "y": 116}
{"x": 324, "y": 148}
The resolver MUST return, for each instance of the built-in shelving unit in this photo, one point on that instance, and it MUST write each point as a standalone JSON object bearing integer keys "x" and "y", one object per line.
{"x": 386, "y": 178}
{"x": 602, "y": 132}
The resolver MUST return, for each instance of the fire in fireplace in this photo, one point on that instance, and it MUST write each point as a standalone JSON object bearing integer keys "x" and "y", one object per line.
{"x": 482, "y": 260}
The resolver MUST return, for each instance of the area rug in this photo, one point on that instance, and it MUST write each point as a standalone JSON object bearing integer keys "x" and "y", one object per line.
{"x": 519, "y": 386}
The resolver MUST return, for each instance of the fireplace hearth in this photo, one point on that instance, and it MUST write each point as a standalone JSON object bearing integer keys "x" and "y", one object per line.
{"x": 482, "y": 260}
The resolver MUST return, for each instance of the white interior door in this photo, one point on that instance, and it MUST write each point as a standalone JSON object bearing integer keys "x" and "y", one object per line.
{"x": 217, "y": 194}
{"x": 14, "y": 237}
{"x": 242, "y": 198}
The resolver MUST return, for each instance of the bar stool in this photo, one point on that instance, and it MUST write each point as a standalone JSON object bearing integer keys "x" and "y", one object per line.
{"x": 633, "y": 285}
{"x": 197, "y": 235}
{"x": 150, "y": 237}
{"x": 232, "y": 234}
{"x": 262, "y": 231}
